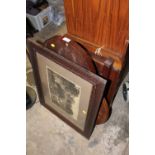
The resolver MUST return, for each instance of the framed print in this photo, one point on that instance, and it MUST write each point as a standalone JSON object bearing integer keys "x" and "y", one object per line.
{"x": 71, "y": 92}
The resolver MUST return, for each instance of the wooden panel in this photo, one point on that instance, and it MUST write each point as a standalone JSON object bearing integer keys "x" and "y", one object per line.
{"x": 100, "y": 22}
{"x": 104, "y": 112}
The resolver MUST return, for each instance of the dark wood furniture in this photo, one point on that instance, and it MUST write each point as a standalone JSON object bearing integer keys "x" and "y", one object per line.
{"x": 100, "y": 28}
{"x": 102, "y": 25}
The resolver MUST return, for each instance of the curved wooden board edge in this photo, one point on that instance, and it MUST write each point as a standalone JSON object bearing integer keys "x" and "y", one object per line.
{"x": 71, "y": 50}
{"x": 104, "y": 112}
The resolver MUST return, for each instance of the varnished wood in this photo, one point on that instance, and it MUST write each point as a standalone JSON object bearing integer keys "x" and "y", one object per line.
{"x": 104, "y": 112}
{"x": 105, "y": 52}
{"x": 99, "y": 23}
{"x": 98, "y": 84}
{"x": 103, "y": 65}
{"x": 104, "y": 68}
{"x": 114, "y": 78}
{"x": 71, "y": 51}
{"x": 82, "y": 58}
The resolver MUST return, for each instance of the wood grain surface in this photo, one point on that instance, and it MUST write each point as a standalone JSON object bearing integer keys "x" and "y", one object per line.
{"x": 99, "y": 23}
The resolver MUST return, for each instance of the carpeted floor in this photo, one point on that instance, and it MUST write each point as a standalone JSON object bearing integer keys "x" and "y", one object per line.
{"x": 48, "y": 135}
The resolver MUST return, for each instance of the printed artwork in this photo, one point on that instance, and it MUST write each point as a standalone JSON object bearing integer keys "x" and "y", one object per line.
{"x": 64, "y": 93}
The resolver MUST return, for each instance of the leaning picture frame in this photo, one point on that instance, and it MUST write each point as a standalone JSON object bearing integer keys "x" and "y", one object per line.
{"x": 68, "y": 90}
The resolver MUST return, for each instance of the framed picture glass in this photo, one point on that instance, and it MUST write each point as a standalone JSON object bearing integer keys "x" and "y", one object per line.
{"x": 71, "y": 92}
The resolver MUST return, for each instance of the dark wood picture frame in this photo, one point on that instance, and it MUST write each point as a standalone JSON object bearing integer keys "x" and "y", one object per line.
{"x": 97, "y": 82}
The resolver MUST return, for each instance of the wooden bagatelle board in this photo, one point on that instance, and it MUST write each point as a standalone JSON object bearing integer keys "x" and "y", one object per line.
{"x": 70, "y": 91}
